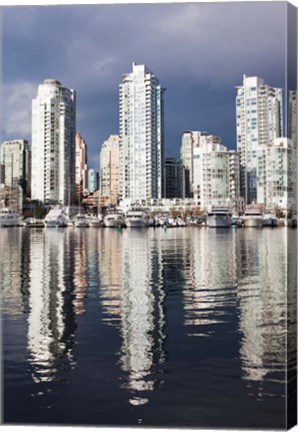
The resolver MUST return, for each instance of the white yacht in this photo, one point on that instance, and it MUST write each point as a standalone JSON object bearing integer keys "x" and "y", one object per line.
{"x": 56, "y": 218}
{"x": 113, "y": 218}
{"x": 95, "y": 221}
{"x": 9, "y": 218}
{"x": 81, "y": 221}
{"x": 32, "y": 222}
{"x": 292, "y": 222}
{"x": 219, "y": 217}
{"x": 237, "y": 221}
{"x": 137, "y": 217}
{"x": 252, "y": 217}
{"x": 269, "y": 220}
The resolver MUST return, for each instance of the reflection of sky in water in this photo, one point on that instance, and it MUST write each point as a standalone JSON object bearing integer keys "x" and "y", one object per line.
{"x": 222, "y": 285}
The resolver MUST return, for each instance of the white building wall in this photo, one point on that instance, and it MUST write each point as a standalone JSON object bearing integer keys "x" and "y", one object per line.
{"x": 277, "y": 175}
{"x": 214, "y": 182}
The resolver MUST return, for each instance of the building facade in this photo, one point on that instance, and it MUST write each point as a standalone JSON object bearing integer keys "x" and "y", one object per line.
{"x": 53, "y": 143}
{"x": 277, "y": 175}
{"x": 174, "y": 179}
{"x": 259, "y": 117}
{"x": 142, "y": 135}
{"x": 216, "y": 176}
{"x": 292, "y": 116}
{"x": 81, "y": 167}
{"x": 92, "y": 180}
{"x": 15, "y": 157}
{"x": 110, "y": 174}
{"x": 190, "y": 141}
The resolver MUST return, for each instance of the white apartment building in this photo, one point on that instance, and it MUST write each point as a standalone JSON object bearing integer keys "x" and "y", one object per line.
{"x": 277, "y": 175}
{"x": 81, "y": 167}
{"x": 216, "y": 176}
{"x": 292, "y": 116}
{"x": 53, "y": 143}
{"x": 15, "y": 157}
{"x": 110, "y": 169}
{"x": 142, "y": 135}
{"x": 190, "y": 141}
{"x": 259, "y": 118}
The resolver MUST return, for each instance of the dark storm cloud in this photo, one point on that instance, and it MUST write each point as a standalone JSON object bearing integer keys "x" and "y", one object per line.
{"x": 199, "y": 51}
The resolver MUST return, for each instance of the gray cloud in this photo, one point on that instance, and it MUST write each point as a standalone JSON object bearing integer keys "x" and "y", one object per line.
{"x": 198, "y": 50}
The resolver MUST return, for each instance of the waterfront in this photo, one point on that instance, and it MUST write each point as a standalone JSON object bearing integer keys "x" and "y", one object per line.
{"x": 184, "y": 327}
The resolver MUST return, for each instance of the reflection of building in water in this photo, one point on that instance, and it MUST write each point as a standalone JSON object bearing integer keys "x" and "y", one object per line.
{"x": 211, "y": 275}
{"x": 262, "y": 303}
{"x": 142, "y": 315}
{"x": 110, "y": 276}
{"x": 51, "y": 322}
{"x": 292, "y": 319}
{"x": 132, "y": 298}
{"x": 13, "y": 271}
{"x": 80, "y": 278}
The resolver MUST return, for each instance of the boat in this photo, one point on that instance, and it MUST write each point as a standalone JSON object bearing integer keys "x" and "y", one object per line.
{"x": 32, "y": 222}
{"x": 252, "y": 218}
{"x": 95, "y": 221}
{"x": 56, "y": 218}
{"x": 175, "y": 222}
{"x": 137, "y": 217}
{"x": 291, "y": 222}
{"x": 181, "y": 222}
{"x": 269, "y": 220}
{"x": 81, "y": 221}
{"x": 9, "y": 218}
{"x": 113, "y": 218}
{"x": 236, "y": 221}
{"x": 171, "y": 223}
{"x": 219, "y": 217}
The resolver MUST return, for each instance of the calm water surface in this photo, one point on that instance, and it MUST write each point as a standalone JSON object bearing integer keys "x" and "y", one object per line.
{"x": 145, "y": 327}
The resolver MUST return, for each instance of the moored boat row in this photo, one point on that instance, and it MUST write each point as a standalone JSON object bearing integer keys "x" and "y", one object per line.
{"x": 139, "y": 217}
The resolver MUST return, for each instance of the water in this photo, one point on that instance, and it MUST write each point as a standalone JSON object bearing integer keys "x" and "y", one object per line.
{"x": 146, "y": 327}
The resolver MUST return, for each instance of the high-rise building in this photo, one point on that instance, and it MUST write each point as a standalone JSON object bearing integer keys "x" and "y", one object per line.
{"x": 110, "y": 169}
{"x": 53, "y": 143}
{"x": 216, "y": 176}
{"x": 92, "y": 180}
{"x": 15, "y": 156}
{"x": 259, "y": 111}
{"x": 174, "y": 179}
{"x": 292, "y": 116}
{"x": 142, "y": 135}
{"x": 277, "y": 175}
{"x": 190, "y": 141}
{"x": 81, "y": 167}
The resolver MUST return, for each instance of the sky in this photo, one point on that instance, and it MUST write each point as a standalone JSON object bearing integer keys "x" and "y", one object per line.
{"x": 199, "y": 52}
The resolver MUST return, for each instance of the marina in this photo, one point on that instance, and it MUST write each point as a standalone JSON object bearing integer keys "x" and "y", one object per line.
{"x": 217, "y": 217}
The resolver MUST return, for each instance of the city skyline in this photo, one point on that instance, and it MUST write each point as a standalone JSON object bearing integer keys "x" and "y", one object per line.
{"x": 199, "y": 96}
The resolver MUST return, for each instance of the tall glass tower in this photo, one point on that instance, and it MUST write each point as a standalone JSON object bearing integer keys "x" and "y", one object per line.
{"x": 142, "y": 135}
{"x": 53, "y": 143}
